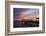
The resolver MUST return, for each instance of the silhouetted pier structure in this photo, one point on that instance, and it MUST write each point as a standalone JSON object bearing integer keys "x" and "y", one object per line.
{"x": 26, "y": 23}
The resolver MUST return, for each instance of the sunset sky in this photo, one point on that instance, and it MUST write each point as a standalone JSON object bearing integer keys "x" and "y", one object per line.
{"x": 26, "y": 12}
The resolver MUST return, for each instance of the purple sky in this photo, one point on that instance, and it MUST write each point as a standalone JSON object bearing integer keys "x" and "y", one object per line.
{"x": 27, "y": 11}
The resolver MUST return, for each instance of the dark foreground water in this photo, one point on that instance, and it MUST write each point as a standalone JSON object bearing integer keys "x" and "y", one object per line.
{"x": 18, "y": 24}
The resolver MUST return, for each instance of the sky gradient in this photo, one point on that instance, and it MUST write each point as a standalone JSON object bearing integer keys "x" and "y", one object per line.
{"x": 25, "y": 11}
